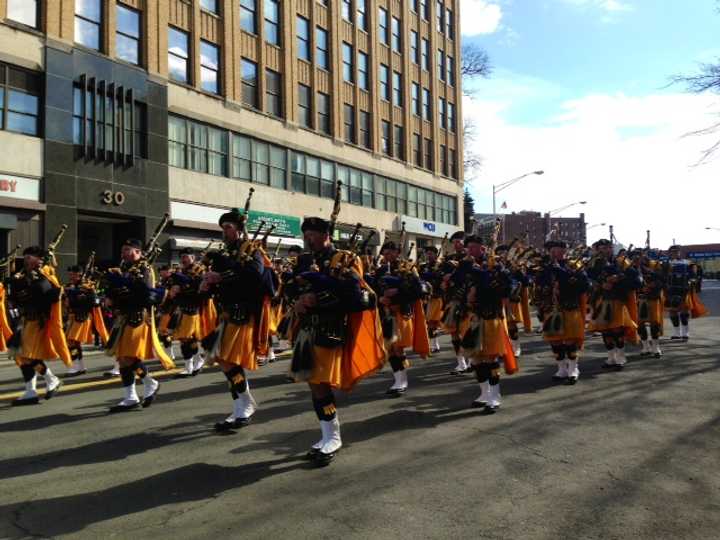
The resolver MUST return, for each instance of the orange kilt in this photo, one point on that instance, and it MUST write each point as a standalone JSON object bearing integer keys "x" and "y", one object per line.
{"x": 492, "y": 344}
{"x": 573, "y": 327}
{"x": 237, "y": 345}
{"x": 434, "y": 311}
{"x": 189, "y": 327}
{"x": 80, "y": 331}
{"x": 36, "y": 344}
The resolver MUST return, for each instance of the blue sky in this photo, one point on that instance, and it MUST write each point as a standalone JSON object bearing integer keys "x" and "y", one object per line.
{"x": 585, "y": 81}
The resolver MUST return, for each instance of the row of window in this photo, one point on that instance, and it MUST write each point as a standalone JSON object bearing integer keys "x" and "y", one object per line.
{"x": 200, "y": 147}
{"x": 20, "y": 98}
{"x": 88, "y": 29}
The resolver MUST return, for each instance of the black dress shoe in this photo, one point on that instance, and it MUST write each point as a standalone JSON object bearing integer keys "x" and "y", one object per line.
{"x": 312, "y": 454}
{"x": 457, "y": 371}
{"x": 395, "y": 392}
{"x": 322, "y": 459}
{"x": 27, "y": 401}
{"x": 571, "y": 381}
{"x": 490, "y": 410}
{"x": 619, "y": 367}
{"x": 478, "y": 404}
{"x": 657, "y": 355}
{"x": 558, "y": 378}
{"x": 124, "y": 408}
{"x": 224, "y": 426}
{"x": 608, "y": 366}
{"x": 75, "y": 374}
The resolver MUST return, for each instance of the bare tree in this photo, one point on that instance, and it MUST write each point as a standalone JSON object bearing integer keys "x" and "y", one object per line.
{"x": 707, "y": 79}
{"x": 472, "y": 161}
{"x": 475, "y": 63}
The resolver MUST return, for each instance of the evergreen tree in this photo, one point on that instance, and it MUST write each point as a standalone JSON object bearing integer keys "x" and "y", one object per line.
{"x": 468, "y": 211}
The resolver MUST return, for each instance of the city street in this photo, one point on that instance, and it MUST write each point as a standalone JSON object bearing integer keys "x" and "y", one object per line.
{"x": 631, "y": 454}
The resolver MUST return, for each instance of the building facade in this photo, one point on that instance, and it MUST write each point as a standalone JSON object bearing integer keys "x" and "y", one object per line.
{"x": 537, "y": 226}
{"x": 117, "y": 111}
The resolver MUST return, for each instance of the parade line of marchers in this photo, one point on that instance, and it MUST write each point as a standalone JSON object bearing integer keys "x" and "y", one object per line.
{"x": 345, "y": 312}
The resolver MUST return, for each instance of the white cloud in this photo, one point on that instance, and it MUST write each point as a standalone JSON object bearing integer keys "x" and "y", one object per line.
{"x": 611, "y": 6}
{"x": 627, "y": 156}
{"x": 480, "y": 17}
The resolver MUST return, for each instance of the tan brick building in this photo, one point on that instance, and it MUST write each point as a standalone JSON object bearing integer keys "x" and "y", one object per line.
{"x": 207, "y": 97}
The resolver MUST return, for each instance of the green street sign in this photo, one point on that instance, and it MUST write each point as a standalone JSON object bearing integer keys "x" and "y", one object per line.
{"x": 284, "y": 225}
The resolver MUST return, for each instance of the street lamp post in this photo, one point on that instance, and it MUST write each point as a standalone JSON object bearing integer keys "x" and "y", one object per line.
{"x": 558, "y": 210}
{"x": 499, "y": 187}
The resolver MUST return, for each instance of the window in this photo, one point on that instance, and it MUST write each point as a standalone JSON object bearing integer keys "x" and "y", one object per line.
{"x": 441, "y": 65}
{"x": 196, "y": 146}
{"x": 416, "y": 99}
{"x": 177, "y": 142}
{"x": 450, "y": 61}
{"x": 178, "y": 65}
{"x": 424, "y": 10}
{"x": 348, "y": 63}
{"x": 383, "y": 26}
{"x": 384, "y": 83}
{"x": 88, "y": 20}
{"x": 303, "y": 38}
{"x": 397, "y": 89}
{"x": 396, "y": 36}
{"x": 127, "y": 42}
{"x": 115, "y": 125}
{"x": 209, "y": 67}
{"x": 209, "y": 5}
{"x": 449, "y": 24}
{"x": 248, "y": 16}
{"x": 349, "y": 121}
{"x": 451, "y": 116}
{"x": 323, "y": 112}
{"x": 452, "y": 163}
{"x": 443, "y": 160}
{"x": 259, "y": 162}
{"x": 20, "y": 92}
{"x": 347, "y": 10}
{"x": 273, "y": 93}
{"x": 440, "y": 16}
{"x": 321, "y": 48}
{"x": 272, "y": 22}
{"x": 414, "y": 5}
{"x": 24, "y": 11}
{"x": 304, "y": 106}
{"x": 249, "y": 83}
{"x": 362, "y": 20}
{"x": 312, "y": 176}
{"x": 425, "y": 54}
{"x": 427, "y": 106}
{"x": 385, "y": 147}
{"x": 414, "y": 48}
{"x": 428, "y": 154}
{"x": 417, "y": 149}
{"x": 441, "y": 113}
{"x": 363, "y": 78}
{"x": 365, "y": 138}
{"x": 398, "y": 143}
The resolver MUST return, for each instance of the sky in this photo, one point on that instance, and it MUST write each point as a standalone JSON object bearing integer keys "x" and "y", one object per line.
{"x": 581, "y": 90}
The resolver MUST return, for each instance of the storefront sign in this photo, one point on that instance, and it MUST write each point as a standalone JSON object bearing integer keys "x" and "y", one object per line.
{"x": 703, "y": 254}
{"x": 288, "y": 226}
{"x": 343, "y": 232}
{"x": 284, "y": 225}
{"x": 19, "y": 187}
{"x": 425, "y": 228}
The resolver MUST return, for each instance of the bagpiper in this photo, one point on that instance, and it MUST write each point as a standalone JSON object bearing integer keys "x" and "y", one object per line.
{"x": 84, "y": 314}
{"x": 683, "y": 301}
{"x": 612, "y": 299}
{"x": 430, "y": 273}
{"x": 564, "y": 288}
{"x": 400, "y": 291}
{"x": 454, "y": 315}
{"x": 239, "y": 280}
{"x": 335, "y": 331}
{"x": 196, "y": 315}
{"x": 167, "y": 314}
{"x": 35, "y": 300}
{"x": 650, "y": 302}
{"x": 486, "y": 341}
{"x": 133, "y": 295}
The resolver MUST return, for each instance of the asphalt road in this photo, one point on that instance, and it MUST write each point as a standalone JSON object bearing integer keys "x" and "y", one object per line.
{"x": 621, "y": 455}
